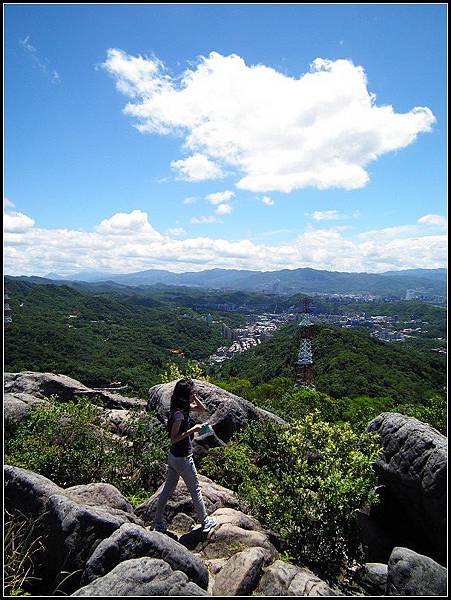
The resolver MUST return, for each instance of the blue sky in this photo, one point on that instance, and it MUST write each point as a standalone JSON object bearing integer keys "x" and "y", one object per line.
{"x": 287, "y": 162}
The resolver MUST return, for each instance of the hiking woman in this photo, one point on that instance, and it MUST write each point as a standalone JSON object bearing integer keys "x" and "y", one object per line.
{"x": 180, "y": 457}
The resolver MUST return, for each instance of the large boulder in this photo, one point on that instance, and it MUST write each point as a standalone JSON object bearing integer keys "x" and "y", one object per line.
{"x": 413, "y": 468}
{"x": 30, "y": 492}
{"x": 142, "y": 577}
{"x": 72, "y": 531}
{"x": 235, "y": 532}
{"x": 240, "y": 575}
{"x": 99, "y": 494}
{"x": 373, "y": 578}
{"x": 412, "y": 574}
{"x": 226, "y": 412}
{"x": 132, "y": 541}
{"x": 285, "y": 579}
{"x": 215, "y": 496}
{"x": 44, "y": 385}
{"x": 71, "y": 522}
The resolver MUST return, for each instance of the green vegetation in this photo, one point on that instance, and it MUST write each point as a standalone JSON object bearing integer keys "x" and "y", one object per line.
{"x": 304, "y": 482}
{"x": 70, "y": 443}
{"x": 348, "y": 363}
{"x": 109, "y": 336}
{"x": 279, "y": 397}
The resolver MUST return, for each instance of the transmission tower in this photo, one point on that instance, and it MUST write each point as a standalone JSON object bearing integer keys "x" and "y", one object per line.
{"x": 304, "y": 363}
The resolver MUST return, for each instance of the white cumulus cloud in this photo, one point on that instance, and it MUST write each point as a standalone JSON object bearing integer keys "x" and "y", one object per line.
{"x": 220, "y": 197}
{"x": 16, "y": 222}
{"x": 276, "y": 132}
{"x": 32, "y": 250}
{"x": 223, "y": 209}
{"x": 267, "y": 201}
{"x": 135, "y": 222}
{"x": 197, "y": 167}
{"x": 435, "y": 220}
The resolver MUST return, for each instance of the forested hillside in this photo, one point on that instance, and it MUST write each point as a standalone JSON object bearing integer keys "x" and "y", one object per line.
{"x": 97, "y": 338}
{"x": 100, "y": 336}
{"x": 347, "y": 362}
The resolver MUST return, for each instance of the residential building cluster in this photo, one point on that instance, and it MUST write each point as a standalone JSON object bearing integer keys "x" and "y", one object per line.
{"x": 244, "y": 338}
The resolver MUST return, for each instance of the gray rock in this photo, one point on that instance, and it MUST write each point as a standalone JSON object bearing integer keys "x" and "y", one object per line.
{"x": 240, "y": 575}
{"x": 70, "y": 529}
{"x": 118, "y": 420}
{"x": 182, "y": 523}
{"x": 215, "y": 496}
{"x": 99, "y": 494}
{"x": 412, "y": 574}
{"x": 276, "y": 579}
{"x": 16, "y": 406}
{"x": 142, "y": 577}
{"x": 72, "y": 532}
{"x": 373, "y": 578}
{"x": 132, "y": 541}
{"x": 227, "y": 538}
{"x": 413, "y": 468}
{"x": 306, "y": 583}
{"x": 44, "y": 385}
{"x": 227, "y": 412}
{"x": 27, "y": 491}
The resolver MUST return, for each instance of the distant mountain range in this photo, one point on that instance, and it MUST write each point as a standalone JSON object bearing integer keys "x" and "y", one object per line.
{"x": 429, "y": 281}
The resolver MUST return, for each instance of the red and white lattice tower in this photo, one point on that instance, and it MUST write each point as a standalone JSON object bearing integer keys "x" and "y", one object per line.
{"x": 304, "y": 363}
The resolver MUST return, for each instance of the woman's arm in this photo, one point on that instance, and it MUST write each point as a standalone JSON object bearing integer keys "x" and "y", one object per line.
{"x": 178, "y": 437}
{"x": 198, "y": 404}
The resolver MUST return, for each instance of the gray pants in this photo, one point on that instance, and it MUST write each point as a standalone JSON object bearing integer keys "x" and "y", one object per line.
{"x": 181, "y": 467}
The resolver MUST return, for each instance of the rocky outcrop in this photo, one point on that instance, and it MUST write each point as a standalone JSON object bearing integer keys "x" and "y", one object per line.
{"x": 215, "y": 496}
{"x": 373, "y": 578}
{"x": 284, "y": 579}
{"x": 71, "y": 521}
{"x": 235, "y": 532}
{"x": 240, "y": 574}
{"x": 99, "y": 494}
{"x": 132, "y": 541}
{"x": 226, "y": 412}
{"x": 44, "y": 385}
{"x": 142, "y": 577}
{"x": 413, "y": 469}
{"x": 412, "y": 574}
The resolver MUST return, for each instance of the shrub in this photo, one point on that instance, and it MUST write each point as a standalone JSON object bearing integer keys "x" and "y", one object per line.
{"x": 70, "y": 443}
{"x": 191, "y": 370}
{"x": 303, "y": 481}
{"x": 433, "y": 412}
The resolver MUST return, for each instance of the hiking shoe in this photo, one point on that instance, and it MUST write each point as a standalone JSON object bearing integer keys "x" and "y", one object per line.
{"x": 209, "y": 524}
{"x": 161, "y": 527}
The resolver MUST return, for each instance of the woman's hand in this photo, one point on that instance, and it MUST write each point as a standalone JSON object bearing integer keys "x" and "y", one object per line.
{"x": 197, "y": 404}
{"x": 196, "y": 428}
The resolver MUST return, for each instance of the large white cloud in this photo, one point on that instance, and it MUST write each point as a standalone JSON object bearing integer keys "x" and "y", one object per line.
{"x": 124, "y": 224}
{"x": 280, "y": 133}
{"x": 38, "y": 251}
{"x": 16, "y": 221}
